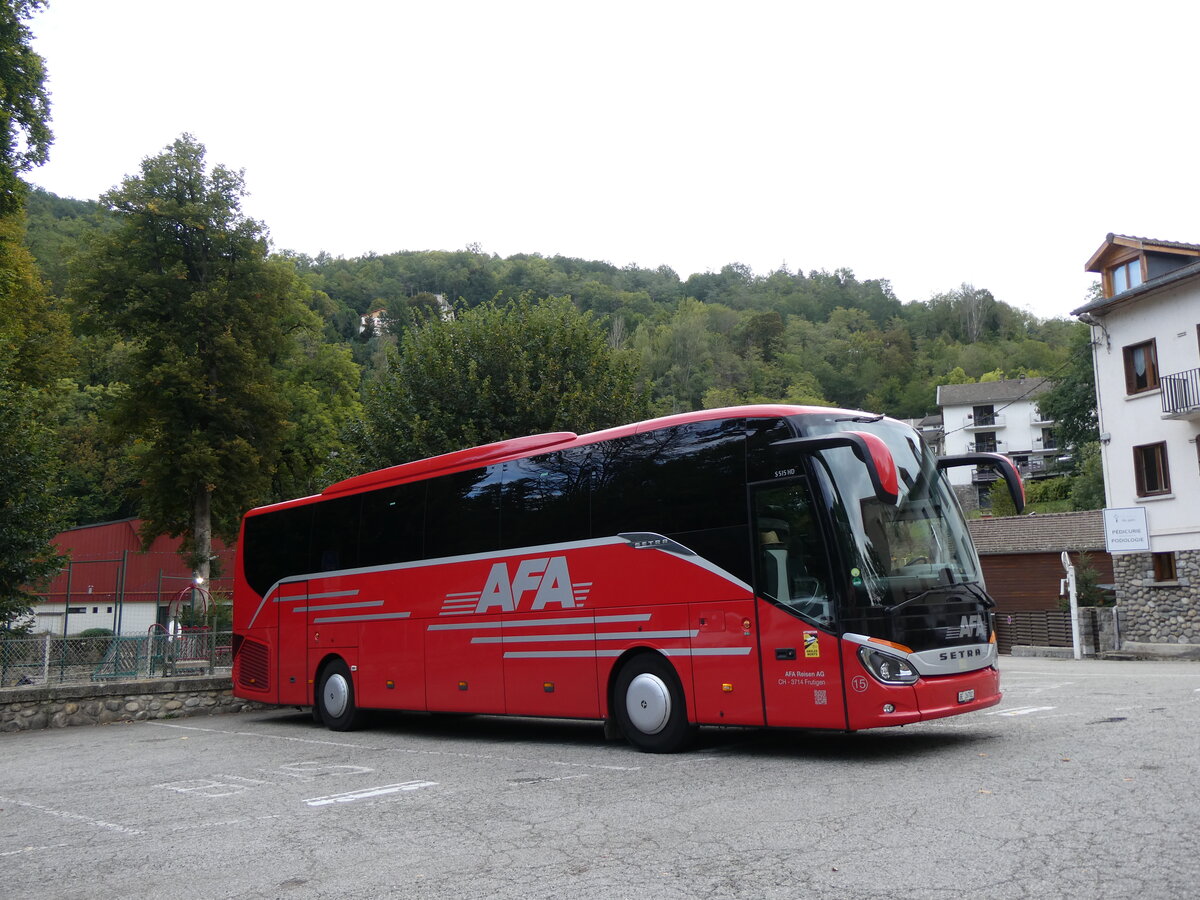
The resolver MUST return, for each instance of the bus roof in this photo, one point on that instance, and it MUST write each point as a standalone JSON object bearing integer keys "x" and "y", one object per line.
{"x": 517, "y": 448}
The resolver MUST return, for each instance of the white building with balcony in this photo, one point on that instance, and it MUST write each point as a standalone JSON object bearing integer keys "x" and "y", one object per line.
{"x": 1146, "y": 352}
{"x": 996, "y": 417}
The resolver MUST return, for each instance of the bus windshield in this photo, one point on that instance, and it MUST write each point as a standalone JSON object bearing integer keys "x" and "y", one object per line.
{"x": 896, "y": 553}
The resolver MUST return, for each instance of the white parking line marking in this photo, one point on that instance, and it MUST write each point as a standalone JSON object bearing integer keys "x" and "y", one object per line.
{"x": 74, "y": 817}
{"x": 452, "y": 754}
{"x": 32, "y": 849}
{"x": 201, "y": 826}
{"x": 368, "y": 793}
{"x": 1019, "y": 711}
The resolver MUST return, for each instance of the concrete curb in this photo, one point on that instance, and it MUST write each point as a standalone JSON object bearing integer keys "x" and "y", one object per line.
{"x": 1129, "y": 650}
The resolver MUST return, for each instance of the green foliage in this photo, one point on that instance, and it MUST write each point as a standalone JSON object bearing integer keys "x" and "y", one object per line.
{"x": 1001, "y": 501}
{"x": 1071, "y": 402}
{"x": 1087, "y": 487}
{"x": 34, "y": 345}
{"x": 31, "y": 511}
{"x": 35, "y": 332}
{"x": 216, "y": 615}
{"x": 1087, "y": 585}
{"x": 184, "y": 276}
{"x": 496, "y": 372}
{"x": 1047, "y": 490}
{"x": 24, "y": 104}
{"x": 55, "y": 227}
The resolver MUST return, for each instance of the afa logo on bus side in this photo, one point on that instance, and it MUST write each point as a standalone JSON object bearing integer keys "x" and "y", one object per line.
{"x": 547, "y": 578}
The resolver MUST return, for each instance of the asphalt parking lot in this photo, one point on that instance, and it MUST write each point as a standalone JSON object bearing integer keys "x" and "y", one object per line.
{"x": 1084, "y": 782}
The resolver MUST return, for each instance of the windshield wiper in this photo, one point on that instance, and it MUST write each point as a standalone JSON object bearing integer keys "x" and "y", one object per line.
{"x": 977, "y": 592}
{"x": 981, "y": 595}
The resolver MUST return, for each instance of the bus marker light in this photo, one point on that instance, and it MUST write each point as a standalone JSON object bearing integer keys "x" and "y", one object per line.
{"x": 727, "y": 688}
{"x": 892, "y": 644}
{"x": 548, "y": 687}
{"x": 462, "y": 685}
{"x": 746, "y": 625}
{"x": 391, "y": 685}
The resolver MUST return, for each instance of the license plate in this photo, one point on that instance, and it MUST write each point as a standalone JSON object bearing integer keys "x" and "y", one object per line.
{"x": 966, "y": 696}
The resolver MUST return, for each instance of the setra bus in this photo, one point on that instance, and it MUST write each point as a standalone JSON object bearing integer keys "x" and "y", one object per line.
{"x": 769, "y": 565}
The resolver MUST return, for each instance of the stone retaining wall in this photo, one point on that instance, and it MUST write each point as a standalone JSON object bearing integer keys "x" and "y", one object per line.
{"x": 32, "y": 708}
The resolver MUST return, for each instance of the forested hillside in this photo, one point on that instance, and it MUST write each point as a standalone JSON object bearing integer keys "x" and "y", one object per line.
{"x": 717, "y": 337}
{"x": 712, "y": 339}
{"x": 729, "y": 336}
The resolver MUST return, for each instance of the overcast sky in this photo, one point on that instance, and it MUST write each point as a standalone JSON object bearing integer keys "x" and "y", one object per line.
{"x": 927, "y": 143}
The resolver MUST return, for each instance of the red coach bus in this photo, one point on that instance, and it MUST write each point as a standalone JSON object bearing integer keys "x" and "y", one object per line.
{"x": 761, "y": 565}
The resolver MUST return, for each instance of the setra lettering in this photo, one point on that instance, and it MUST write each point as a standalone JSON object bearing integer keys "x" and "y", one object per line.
{"x": 960, "y": 654}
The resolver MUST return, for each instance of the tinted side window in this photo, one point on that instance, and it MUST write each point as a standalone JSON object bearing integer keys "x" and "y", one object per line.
{"x": 762, "y": 462}
{"x": 275, "y": 545}
{"x": 546, "y": 499}
{"x": 674, "y": 480}
{"x": 462, "y": 513}
{"x": 393, "y": 522}
{"x": 620, "y": 497}
{"x": 335, "y": 535}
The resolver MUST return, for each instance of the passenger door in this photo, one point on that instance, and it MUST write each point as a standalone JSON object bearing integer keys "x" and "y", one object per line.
{"x": 798, "y": 642}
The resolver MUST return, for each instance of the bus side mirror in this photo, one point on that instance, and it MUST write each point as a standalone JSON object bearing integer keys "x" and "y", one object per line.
{"x": 999, "y": 462}
{"x": 869, "y": 448}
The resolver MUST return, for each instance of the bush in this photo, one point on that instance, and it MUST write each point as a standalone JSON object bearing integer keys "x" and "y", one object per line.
{"x": 1048, "y": 489}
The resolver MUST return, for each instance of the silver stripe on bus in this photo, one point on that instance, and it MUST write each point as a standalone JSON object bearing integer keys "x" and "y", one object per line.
{"x": 560, "y": 654}
{"x": 328, "y": 606}
{"x": 599, "y": 636}
{"x": 595, "y": 654}
{"x": 533, "y": 623}
{"x": 369, "y": 618}
{"x": 324, "y": 595}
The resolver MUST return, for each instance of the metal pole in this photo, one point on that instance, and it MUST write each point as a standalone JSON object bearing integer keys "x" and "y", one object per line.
{"x": 1073, "y": 594}
{"x": 67, "y": 596}
{"x": 119, "y": 611}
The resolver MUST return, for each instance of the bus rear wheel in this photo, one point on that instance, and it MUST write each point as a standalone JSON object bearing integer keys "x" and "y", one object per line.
{"x": 335, "y": 698}
{"x": 649, "y": 705}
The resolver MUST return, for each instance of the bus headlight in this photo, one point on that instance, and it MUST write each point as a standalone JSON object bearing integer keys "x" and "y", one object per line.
{"x": 887, "y": 668}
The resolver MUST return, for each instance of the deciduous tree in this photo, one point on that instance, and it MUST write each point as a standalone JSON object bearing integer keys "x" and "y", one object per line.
{"x": 495, "y": 372}
{"x": 25, "y": 134}
{"x": 186, "y": 277}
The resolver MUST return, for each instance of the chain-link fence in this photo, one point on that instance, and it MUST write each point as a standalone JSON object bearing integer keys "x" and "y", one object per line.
{"x": 51, "y": 659}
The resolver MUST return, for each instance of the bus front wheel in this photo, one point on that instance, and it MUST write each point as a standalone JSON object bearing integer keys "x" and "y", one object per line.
{"x": 335, "y": 697}
{"x": 649, "y": 705}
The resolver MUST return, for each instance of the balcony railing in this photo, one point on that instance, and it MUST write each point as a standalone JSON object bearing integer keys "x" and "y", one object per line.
{"x": 989, "y": 421}
{"x": 1181, "y": 395}
{"x": 982, "y": 446}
